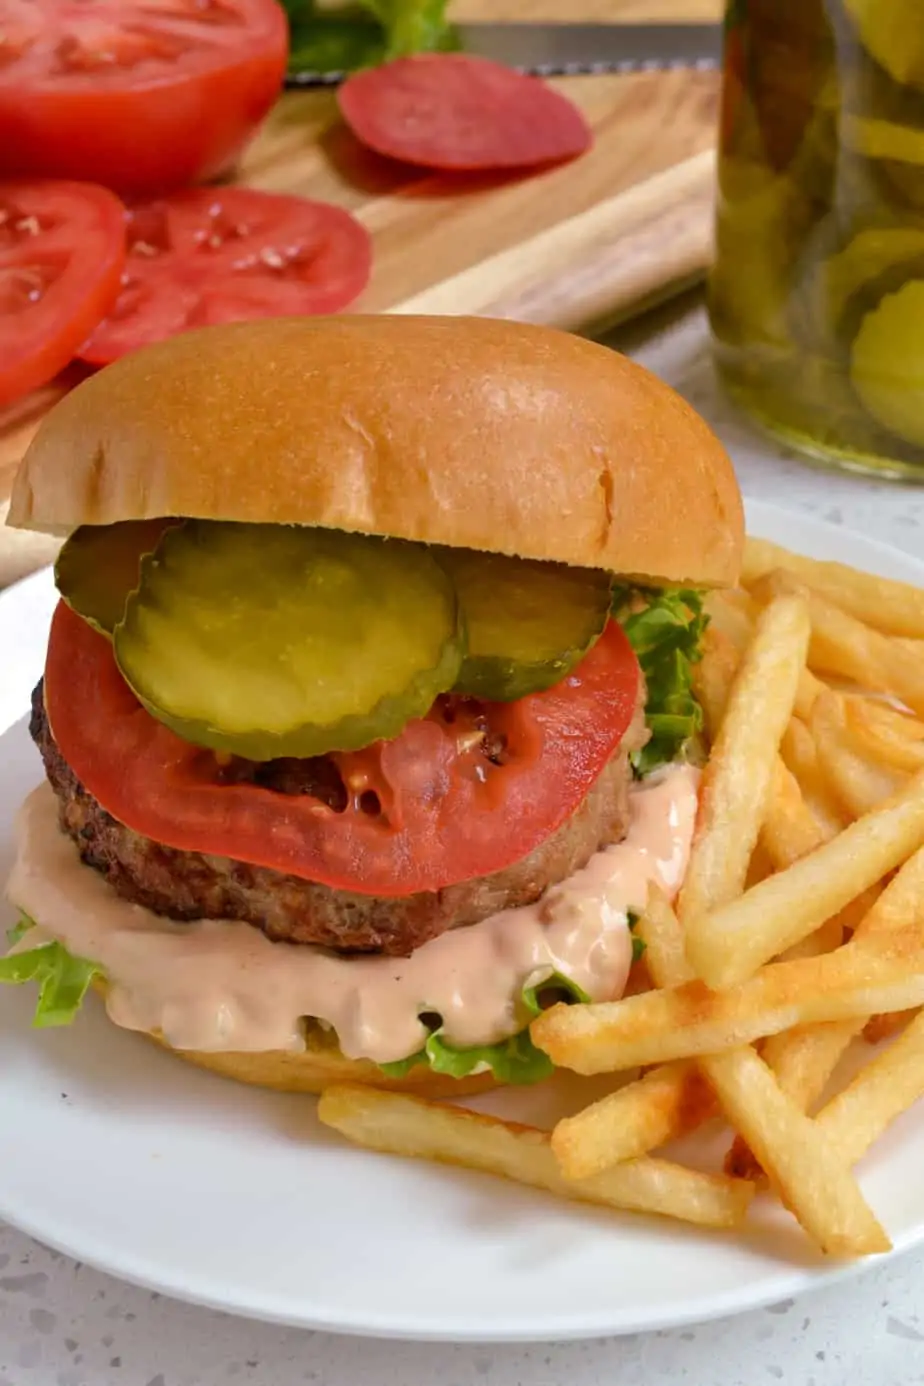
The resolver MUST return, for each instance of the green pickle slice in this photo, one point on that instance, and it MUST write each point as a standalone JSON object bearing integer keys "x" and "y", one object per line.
{"x": 528, "y": 623}
{"x": 887, "y": 363}
{"x": 268, "y": 641}
{"x": 892, "y": 32}
{"x": 99, "y": 565}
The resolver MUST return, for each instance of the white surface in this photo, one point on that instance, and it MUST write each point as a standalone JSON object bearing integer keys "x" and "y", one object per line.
{"x": 70, "y": 1326}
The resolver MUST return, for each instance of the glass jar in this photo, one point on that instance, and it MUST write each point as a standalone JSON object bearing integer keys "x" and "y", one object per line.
{"x": 816, "y": 299}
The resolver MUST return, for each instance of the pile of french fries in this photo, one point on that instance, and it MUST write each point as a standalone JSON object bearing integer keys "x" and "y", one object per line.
{"x": 798, "y": 934}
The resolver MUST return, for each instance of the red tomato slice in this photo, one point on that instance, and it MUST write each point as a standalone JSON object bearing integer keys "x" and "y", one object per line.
{"x": 62, "y": 252}
{"x": 440, "y": 811}
{"x": 225, "y": 255}
{"x": 451, "y": 111}
{"x": 142, "y": 95}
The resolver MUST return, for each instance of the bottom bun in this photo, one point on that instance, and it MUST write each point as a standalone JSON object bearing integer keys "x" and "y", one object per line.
{"x": 317, "y": 1067}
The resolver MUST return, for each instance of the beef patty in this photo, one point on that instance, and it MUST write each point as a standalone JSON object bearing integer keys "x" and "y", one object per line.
{"x": 190, "y": 885}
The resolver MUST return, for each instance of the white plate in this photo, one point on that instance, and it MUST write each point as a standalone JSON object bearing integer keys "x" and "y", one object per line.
{"x": 118, "y": 1155}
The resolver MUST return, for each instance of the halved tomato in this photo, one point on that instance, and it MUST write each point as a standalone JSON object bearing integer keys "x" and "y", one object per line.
{"x": 141, "y": 95}
{"x": 459, "y": 794}
{"x": 211, "y": 255}
{"x": 62, "y": 251}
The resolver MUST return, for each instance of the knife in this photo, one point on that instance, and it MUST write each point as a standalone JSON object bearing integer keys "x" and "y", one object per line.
{"x": 548, "y": 50}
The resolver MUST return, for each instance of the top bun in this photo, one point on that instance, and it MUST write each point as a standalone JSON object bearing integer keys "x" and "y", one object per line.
{"x": 472, "y": 432}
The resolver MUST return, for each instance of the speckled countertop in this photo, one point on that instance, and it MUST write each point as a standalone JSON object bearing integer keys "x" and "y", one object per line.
{"x": 62, "y": 1324}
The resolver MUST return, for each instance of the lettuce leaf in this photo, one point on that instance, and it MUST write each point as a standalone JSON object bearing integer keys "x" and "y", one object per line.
{"x": 364, "y": 33}
{"x": 665, "y": 634}
{"x": 63, "y": 980}
{"x": 513, "y": 1060}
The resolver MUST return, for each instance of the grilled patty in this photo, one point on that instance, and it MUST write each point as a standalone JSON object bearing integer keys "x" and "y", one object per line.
{"x": 191, "y": 885}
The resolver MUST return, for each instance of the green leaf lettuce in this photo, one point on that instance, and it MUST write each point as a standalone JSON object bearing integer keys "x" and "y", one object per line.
{"x": 362, "y": 34}
{"x": 513, "y": 1060}
{"x": 63, "y": 980}
{"x": 665, "y": 634}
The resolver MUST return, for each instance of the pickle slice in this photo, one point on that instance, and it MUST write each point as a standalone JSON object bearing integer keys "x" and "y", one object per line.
{"x": 100, "y": 564}
{"x": 887, "y": 363}
{"x": 528, "y": 623}
{"x": 893, "y": 34}
{"x": 268, "y": 641}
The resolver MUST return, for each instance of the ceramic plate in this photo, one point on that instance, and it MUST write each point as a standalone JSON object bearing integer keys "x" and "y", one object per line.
{"x": 118, "y": 1155}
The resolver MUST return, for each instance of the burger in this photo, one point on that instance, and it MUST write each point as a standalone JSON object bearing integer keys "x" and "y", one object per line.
{"x": 366, "y": 717}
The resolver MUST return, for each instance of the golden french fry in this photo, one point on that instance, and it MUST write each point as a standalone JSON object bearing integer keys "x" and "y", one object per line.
{"x": 736, "y": 782}
{"x": 712, "y": 677}
{"x": 410, "y": 1126}
{"x": 881, "y": 742}
{"x": 809, "y": 1173}
{"x": 883, "y": 1027}
{"x": 895, "y": 608}
{"x": 689, "y": 1020}
{"x": 803, "y": 1058}
{"x": 732, "y": 616}
{"x": 790, "y": 829}
{"x": 655, "y": 1109}
{"x": 885, "y": 718}
{"x": 858, "y": 781}
{"x": 847, "y": 647}
{"x": 881, "y": 1091}
{"x": 733, "y": 941}
{"x": 809, "y": 1176}
{"x": 799, "y": 754}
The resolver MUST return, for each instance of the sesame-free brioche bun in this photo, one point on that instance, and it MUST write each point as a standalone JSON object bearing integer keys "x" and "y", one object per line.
{"x": 475, "y": 433}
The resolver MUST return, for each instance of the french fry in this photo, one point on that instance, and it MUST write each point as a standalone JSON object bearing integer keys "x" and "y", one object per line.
{"x": 664, "y": 1104}
{"x": 881, "y": 741}
{"x": 799, "y": 754}
{"x": 894, "y": 608}
{"x": 858, "y": 781}
{"x": 736, "y": 783}
{"x": 410, "y": 1126}
{"x": 733, "y": 941}
{"x": 689, "y": 1020}
{"x": 886, "y": 718}
{"x": 847, "y": 647}
{"x": 883, "y": 1027}
{"x": 712, "y": 677}
{"x": 809, "y": 1176}
{"x": 733, "y": 614}
{"x": 881, "y": 1091}
{"x": 809, "y": 1173}
{"x": 790, "y": 829}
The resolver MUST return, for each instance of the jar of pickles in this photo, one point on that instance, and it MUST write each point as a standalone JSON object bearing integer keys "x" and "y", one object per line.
{"x": 817, "y": 296}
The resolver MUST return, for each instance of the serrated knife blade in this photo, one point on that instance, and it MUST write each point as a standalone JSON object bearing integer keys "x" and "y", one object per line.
{"x": 551, "y": 50}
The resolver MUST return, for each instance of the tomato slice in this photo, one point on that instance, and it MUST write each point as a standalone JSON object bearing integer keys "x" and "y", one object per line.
{"x": 452, "y": 111}
{"x": 141, "y": 95}
{"x": 423, "y": 811}
{"x": 62, "y": 252}
{"x": 207, "y": 256}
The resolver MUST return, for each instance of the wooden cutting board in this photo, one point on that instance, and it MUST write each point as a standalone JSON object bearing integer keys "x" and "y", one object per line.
{"x": 577, "y": 247}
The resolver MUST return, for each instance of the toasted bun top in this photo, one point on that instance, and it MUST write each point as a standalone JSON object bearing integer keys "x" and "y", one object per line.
{"x": 476, "y": 433}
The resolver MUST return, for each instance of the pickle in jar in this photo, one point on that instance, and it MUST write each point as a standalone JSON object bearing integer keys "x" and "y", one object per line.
{"x": 99, "y": 565}
{"x": 892, "y": 32}
{"x": 269, "y": 640}
{"x": 528, "y": 623}
{"x": 887, "y": 362}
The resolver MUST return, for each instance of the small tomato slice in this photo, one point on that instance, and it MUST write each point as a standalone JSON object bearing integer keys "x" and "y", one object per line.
{"x": 141, "y": 95}
{"x": 208, "y": 256}
{"x": 62, "y": 252}
{"x": 423, "y": 811}
{"x": 452, "y": 111}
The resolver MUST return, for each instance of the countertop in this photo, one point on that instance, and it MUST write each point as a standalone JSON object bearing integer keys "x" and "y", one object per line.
{"x": 62, "y": 1324}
